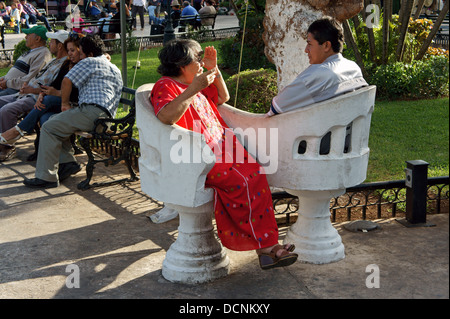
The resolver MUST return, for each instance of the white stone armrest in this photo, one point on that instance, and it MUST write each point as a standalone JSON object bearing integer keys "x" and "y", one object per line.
{"x": 166, "y": 175}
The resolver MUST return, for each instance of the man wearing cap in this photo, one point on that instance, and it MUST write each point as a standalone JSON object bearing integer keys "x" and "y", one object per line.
{"x": 99, "y": 84}
{"x": 29, "y": 63}
{"x": 11, "y": 106}
{"x": 31, "y": 14}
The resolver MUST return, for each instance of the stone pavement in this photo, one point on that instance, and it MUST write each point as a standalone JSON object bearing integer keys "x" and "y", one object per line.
{"x": 46, "y": 236}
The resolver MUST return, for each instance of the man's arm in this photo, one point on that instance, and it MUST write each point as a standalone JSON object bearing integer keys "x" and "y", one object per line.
{"x": 66, "y": 89}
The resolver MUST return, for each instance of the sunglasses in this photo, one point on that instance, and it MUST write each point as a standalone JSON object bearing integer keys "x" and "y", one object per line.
{"x": 75, "y": 35}
{"x": 199, "y": 57}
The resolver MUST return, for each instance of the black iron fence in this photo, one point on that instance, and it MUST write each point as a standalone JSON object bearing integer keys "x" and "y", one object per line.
{"x": 151, "y": 41}
{"x": 378, "y": 200}
{"x": 440, "y": 40}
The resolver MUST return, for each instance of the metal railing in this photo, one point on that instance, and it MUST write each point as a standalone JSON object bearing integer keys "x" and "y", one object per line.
{"x": 151, "y": 41}
{"x": 380, "y": 200}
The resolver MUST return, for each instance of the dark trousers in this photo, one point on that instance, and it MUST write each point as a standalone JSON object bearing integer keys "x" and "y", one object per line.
{"x": 134, "y": 11}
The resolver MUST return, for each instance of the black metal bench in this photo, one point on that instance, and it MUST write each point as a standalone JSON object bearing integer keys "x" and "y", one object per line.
{"x": 185, "y": 21}
{"x": 111, "y": 23}
{"x": 113, "y": 139}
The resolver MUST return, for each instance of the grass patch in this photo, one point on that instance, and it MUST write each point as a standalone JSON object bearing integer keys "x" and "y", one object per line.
{"x": 408, "y": 130}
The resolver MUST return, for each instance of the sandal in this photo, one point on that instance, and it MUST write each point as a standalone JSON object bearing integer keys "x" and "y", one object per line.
{"x": 13, "y": 140}
{"x": 271, "y": 260}
{"x": 289, "y": 247}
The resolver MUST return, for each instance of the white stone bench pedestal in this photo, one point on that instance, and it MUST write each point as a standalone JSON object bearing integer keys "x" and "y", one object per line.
{"x": 316, "y": 240}
{"x": 196, "y": 256}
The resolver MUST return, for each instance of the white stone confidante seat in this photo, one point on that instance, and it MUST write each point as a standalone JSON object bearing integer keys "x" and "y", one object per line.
{"x": 196, "y": 256}
{"x": 315, "y": 153}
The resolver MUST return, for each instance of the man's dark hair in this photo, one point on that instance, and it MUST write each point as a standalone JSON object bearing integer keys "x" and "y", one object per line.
{"x": 328, "y": 29}
{"x": 92, "y": 44}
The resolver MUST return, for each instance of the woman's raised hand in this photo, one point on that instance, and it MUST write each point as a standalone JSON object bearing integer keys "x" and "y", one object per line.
{"x": 204, "y": 80}
{"x": 210, "y": 58}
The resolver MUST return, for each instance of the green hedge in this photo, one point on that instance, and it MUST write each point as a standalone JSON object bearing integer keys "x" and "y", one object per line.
{"x": 256, "y": 90}
{"x": 397, "y": 81}
{"x": 417, "y": 80}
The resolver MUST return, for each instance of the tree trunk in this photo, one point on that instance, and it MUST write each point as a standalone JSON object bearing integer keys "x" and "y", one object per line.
{"x": 387, "y": 18}
{"x": 419, "y": 8}
{"x": 404, "y": 20}
{"x": 369, "y": 31}
{"x": 433, "y": 32}
{"x": 351, "y": 41}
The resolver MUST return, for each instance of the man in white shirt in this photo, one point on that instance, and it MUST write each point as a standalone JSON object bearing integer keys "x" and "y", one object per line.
{"x": 329, "y": 75}
{"x": 138, "y": 7}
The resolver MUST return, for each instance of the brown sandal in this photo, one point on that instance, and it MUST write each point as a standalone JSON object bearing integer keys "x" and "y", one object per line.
{"x": 289, "y": 247}
{"x": 271, "y": 260}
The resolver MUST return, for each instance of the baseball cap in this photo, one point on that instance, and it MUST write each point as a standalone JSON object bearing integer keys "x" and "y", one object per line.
{"x": 38, "y": 30}
{"x": 60, "y": 35}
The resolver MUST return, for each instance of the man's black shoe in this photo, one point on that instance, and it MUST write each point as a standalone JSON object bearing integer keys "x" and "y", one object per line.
{"x": 67, "y": 169}
{"x": 39, "y": 183}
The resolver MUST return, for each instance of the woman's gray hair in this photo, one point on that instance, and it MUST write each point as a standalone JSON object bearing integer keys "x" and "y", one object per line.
{"x": 177, "y": 54}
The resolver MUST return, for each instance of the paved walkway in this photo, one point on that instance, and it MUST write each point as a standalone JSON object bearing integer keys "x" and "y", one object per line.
{"x": 107, "y": 235}
{"x": 222, "y": 22}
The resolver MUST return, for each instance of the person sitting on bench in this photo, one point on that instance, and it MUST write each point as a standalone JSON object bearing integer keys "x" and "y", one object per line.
{"x": 99, "y": 83}
{"x": 328, "y": 75}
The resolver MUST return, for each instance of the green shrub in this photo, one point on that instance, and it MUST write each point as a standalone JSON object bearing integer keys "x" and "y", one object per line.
{"x": 256, "y": 90}
{"x": 416, "y": 80}
{"x": 19, "y": 49}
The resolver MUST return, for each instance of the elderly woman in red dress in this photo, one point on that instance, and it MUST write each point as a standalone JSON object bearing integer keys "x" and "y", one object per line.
{"x": 188, "y": 96}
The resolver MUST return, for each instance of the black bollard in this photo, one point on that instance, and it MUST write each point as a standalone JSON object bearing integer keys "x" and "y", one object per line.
{"x": 416, "y": 193}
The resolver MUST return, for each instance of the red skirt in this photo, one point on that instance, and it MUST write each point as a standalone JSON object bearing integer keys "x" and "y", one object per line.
{"x": 242, "y": 199}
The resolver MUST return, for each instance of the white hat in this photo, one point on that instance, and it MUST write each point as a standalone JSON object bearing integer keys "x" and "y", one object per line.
{"x": 175, "y": 3}
{"x": 60, "y": 35}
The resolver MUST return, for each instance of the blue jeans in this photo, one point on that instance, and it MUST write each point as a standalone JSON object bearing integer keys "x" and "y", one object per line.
{"x": 31, "y": 18}
{"x": 53, "y": 106}
{"x": 8, "y": 91}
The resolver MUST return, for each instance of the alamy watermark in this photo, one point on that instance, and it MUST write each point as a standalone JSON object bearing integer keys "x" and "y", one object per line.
{"x": 373, "y": 279}
{"x": 73, "y": 279}
{"x": 373, "y": 17}
{"x": 259, "y": 142}
{"x": 73, "y": 20}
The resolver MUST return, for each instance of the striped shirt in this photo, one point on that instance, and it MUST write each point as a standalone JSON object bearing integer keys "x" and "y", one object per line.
{"x": 98, "y": 81}
{"x": 27, "y": 66}
{"x": 45, "y": 76}
{"x": 29, "y": 9}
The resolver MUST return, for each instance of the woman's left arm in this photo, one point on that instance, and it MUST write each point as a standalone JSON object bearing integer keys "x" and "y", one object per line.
{"x": 210, "y": 61}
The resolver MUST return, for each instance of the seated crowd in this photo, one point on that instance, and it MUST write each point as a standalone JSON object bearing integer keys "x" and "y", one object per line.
{"x": 63, "y": 95}
{"x": 185, "y": 14}
{"x": 20, "y": 12}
